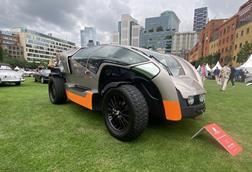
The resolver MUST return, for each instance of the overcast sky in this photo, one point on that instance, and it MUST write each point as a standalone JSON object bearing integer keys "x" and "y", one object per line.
{"x": 65, "y": 18}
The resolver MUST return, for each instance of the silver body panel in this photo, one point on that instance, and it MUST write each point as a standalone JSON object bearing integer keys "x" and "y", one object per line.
{"x": 188, "y": 84}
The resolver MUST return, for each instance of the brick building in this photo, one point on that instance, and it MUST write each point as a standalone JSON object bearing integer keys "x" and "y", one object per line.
{"x": 227, "y": 39}
{"x": 9, "y": 42}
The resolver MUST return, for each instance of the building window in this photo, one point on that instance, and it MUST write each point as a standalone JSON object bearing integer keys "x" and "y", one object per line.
{"x": 240, "y": 45}
{"x": 248, "y": 30}
{"x": 223, "y": 41}
{"x": 235, "y": 46}
{"x": 242, "y": 33}
{"x": 232, "y": 37}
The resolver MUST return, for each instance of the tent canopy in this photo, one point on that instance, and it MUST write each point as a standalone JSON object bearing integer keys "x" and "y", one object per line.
{"x": 208, "y": 68}
{"x": 217, "y": 65}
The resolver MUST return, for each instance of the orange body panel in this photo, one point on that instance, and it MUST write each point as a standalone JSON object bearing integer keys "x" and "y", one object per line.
{"x": 85, "y": 101}
{"x": 172, "y": 110}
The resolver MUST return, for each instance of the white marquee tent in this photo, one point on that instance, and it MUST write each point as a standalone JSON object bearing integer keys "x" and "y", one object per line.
{"x": 208, "y": 68}
{"x": 217, "y": 65}
{"x": 247, "y": 65}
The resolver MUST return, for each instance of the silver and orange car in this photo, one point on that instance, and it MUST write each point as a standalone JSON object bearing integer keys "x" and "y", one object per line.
{"x": 128, "y": 84}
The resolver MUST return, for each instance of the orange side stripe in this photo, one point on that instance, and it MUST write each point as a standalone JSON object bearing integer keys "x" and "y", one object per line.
{"x": 85, "y": 101}
{"x": 172, "y": 110}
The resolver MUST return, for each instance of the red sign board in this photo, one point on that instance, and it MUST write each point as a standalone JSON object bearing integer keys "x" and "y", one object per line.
{"x": 222, "y": 137}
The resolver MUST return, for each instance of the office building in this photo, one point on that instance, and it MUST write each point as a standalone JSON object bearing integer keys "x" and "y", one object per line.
{"x": 87, "y": 35}
{"x": 40, "y": 47}
{"x": 128, "y": 32}
{"x": 158, "y": 31}
{"x": 9, "y": 42}
{"x": 183, "y": 42}
{"x": 200, "y": 19}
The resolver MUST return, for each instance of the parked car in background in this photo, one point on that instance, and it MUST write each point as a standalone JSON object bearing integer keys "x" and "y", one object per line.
{"x": 42, "y": 75}
{"x": 9, "y": 76}
{"x": 28, "y": 73}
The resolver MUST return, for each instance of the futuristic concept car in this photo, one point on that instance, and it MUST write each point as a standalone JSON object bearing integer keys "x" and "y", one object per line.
{"x": 128, "y": 84}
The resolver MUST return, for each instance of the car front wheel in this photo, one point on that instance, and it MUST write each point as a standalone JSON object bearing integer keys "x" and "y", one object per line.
{"x": 126, "y": 112}
{"x": 56, "y": 89}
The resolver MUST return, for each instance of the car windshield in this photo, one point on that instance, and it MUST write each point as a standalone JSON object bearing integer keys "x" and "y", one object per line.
{"x": 166, "y": 60}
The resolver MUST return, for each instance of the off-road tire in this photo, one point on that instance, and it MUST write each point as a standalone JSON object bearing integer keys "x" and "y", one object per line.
{"x": 137, "y": 112}
{"x": 17, "y": 83}
{"x": 56, "y": 90}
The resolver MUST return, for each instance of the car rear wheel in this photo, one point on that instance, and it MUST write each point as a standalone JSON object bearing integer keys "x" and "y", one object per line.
{"x": 56, "y": 90}
{"x": 125, "y": 111}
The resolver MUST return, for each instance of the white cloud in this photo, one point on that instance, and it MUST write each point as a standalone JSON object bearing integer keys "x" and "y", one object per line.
{"x": 65, "y": 18}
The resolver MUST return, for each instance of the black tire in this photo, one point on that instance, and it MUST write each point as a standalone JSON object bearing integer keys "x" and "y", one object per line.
{"x": 56, "y": 90}
{"x": 35, "y": 80}
{"x": 125, "y": 112}
{"x": 18, "y": 83}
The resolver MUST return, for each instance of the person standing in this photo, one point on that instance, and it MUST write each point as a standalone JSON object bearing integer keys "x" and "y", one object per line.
{"x": 225, "y": 73}
{"x": 232, "y": 75}
{"x": 217, "y": 75}
{"x": 203, "y": 72}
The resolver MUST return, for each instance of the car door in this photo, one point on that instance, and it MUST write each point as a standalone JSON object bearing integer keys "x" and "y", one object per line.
{"x": 81, "y": 76}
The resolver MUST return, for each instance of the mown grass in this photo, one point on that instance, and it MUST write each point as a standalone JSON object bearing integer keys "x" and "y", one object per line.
{"x": 38, "y": 136}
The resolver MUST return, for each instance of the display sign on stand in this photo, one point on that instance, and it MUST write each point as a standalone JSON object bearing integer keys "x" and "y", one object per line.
{"x": 222, "y": 137}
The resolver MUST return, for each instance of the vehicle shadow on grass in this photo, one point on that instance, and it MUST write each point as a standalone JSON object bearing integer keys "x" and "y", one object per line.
{"x": 169, "y": 129}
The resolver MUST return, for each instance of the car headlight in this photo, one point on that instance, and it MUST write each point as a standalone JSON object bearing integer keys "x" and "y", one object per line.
{"x": 190, "y": 100}
{"x": 202, "y": 98}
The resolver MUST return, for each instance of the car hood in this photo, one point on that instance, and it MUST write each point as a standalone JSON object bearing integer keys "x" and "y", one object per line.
{"x": 9, "y": 72}
{"x": 188, "y": 86}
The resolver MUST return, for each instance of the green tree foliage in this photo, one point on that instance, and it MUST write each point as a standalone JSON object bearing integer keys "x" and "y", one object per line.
{"x": 210, "y": 59}
{"x": 2, "y": 54}
{"x": 20, "y": 62}
{"x": 244, "y": 53}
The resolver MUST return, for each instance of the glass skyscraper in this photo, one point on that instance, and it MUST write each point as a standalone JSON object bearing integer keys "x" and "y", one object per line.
{"x": 200, "y": 19}
{"x": 88, "y": 35}
{"x": 158, "y": 31}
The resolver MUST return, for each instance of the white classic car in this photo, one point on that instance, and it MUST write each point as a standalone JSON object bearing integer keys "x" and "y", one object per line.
{"x": 7, "y": 75}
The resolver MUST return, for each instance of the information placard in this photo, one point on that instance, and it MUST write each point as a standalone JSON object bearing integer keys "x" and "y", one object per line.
{"x": 222, "y": 137}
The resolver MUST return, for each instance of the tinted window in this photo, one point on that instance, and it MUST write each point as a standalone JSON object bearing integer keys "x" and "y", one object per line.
{"x": 167, "y": 60}
{"x": 114, "y": 54}
{"x": 82, "y": 55}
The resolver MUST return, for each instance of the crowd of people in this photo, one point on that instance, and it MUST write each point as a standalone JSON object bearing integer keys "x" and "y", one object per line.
{"x": 222, "y": 75}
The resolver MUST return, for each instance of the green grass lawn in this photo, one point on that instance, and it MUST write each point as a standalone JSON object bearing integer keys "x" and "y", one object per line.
{"x": 36, "y": 135}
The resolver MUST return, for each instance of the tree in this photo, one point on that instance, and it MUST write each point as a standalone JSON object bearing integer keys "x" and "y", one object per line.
{"x": 244, "y": 53}
{"x": 2, "y": 54}
{"x": 210, "y": 59}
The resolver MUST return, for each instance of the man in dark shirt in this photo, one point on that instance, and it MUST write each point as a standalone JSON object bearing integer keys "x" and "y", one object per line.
{"x": 232, "y": 75}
